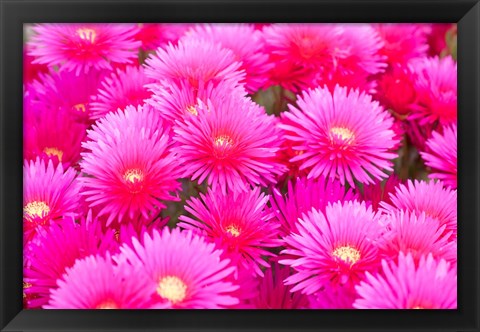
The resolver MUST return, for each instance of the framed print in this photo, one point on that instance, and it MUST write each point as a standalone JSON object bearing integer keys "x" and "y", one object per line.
{"x": 263, "y": 166}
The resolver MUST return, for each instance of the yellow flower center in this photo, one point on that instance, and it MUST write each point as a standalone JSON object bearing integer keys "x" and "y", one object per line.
{"x": 36, "y": 209}
{"x": 80, "y": 107}
{"x": 233, "y": 230}
{"x": 344, "y": 133}
{"x": 87, "y": 34}
{"x": 52, "y": 151}
{"x": 172, "y": 289}
{"x": 133, "y": 175}
{"x": 109, "y": 304}
{"x": 347, "y": 254}
{"x": 223, "y": 140}
{"x": 192, "y": 110}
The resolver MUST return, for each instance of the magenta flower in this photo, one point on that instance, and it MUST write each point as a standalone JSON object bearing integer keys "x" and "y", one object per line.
{"x": 334, "y": 249}
{"x": 125, "y": 87}
{"x": 333, "y": 298}
{"x": 128, "y": 168}
{"x": 232, "y": 146}
{"x": 154, "y": 35}
{"x": 344, "y": 135}
{"x": 108, "y": 287}
{"x": 441, "y": 155}
{"x": 82, "y": 47}
{"x": 239, "y": 224}
{"x": 182, "y": 270}
{"x": 380, "y": 191}
{"x": 403, "y": 285}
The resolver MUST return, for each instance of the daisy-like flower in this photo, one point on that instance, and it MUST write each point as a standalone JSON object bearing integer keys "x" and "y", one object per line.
{"x": 403, "y": 42}
{"x": 123, "y": 88}
{"x": 154, "y": 35}
{"x": 432, "y": 284}
{"x": 247, "y": 46}
{"x": 232, "y": 145}
{"x": 128, "y": 168}
{"x": 436, "y": 87}
{"x": 441, "y": 155}
{"x": 49, "y": 193}
{"x": 274, "y": 294}
{"x": 333, "y": 249}
{"x": 417, "y": 235}
{"x": 344, "y": 135}
{"x": 82, "y": 47}
{"x": 196, "y": 61}
{"x": 54, "y": 135}
{"x": 240, "y": 224}
{"x": 432, "y": 198}
{"x": 302, "y": 196}
{"x": 109, "y": 287}
{"x": 57, "y": 247}
{"x": 183, "y": 271}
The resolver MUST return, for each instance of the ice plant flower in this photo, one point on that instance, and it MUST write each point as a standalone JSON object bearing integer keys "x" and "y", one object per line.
{"x": 197, "y": 62}
{"x": 183, "y": 271}
{"x": 239, "y": 224}
{"x": 57, "y": 247}
{"x": 246, "y": 44}
{"x": 343, "y": 135}
{"x": 432, "y": 284}
{"x": 432, "y": 198}
{"x": 436, "y": 88}
{"x": 441, "y": 155}
{"x": 128, "y": 168}
{"x": 83, "y": 47}
{"x": 333, "y": 249}
{"x": 49, "y": 193}
{"x": 303, "y": 195}
{"x": 125, "y": 87}
{"x": 109, "y": 287}
{"x": 232, "y": 145}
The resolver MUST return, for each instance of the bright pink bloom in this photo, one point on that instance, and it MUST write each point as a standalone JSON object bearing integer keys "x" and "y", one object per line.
{"x": 432, "y": 198}
{"x": 128, "y": 167}
{"x": 183, "y": 271}
{"x": 333, "y": 249}
{"x": 49, "y": 193}
{"x": 441, "y": 155}
{"x": 82, "y": 47}
{"x": 239, "y": 224}
{"x": 436, "y": 87}
{"x": 154, "y": 35}
{"x": 303, "y": 195}
{"x": 123, "y": 88}
{"x": 197, "y": 62}
{"x": 344, "y": 135}
{"x": 333, "y": 298}
{"x": 56, "y": 248}
{"x": 246, "y": 44}
{"x": 232, "y": 145}
{"x": 403, "y": 285}
{"x": 95, "y": 282}
{"x": 274, "y": 294}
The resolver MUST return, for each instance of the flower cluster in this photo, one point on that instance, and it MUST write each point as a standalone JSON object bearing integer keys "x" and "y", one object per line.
{"x": 258, "y": 166}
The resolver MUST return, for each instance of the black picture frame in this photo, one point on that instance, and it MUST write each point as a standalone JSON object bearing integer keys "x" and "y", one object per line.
{"x": 15, "y": 13}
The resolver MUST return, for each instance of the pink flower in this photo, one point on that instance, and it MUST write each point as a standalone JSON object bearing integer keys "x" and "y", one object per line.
{"x": 57, "y": 247}
{"x": 333, "y": 249}
{"x": 380, "y": 191}
{"x": 303, "y": 195}
{"x": 431, "y": 197}
{"x": 182, "y": 270}
{"x": 82, "y": 47}
{"x": 232, "y": 145}
{"x": 246, "y": 44}
{"x": 273, "y": 294}
{"x": 239, "y": 224}
{"x": 128, "y": 168}
{"x": 344, "y": 135}
{"x": 436, "y": 87}
{"x": 403, "y": 285}
{"x": 197, "y": 62}
{"x": 154, "y": 35}
{"x": 95, "y": 282}
{"x": 441, "y": 155}
{"x": 123, "y": 88}
{"x": 49, "y": 193}
{"x": 333, "y": 298}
